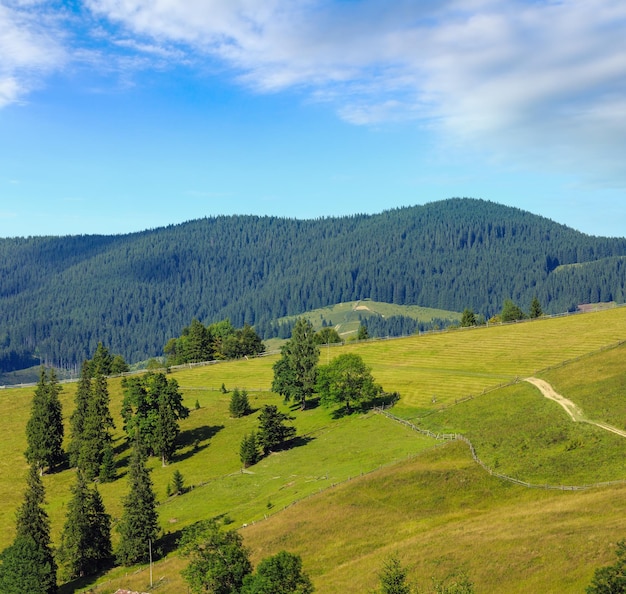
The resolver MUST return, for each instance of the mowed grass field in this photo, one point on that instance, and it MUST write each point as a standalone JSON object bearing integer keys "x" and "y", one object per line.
{"x": 449, "y": 366}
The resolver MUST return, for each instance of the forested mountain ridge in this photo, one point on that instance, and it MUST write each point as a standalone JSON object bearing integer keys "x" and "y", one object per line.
{"x": 59, "y": 296}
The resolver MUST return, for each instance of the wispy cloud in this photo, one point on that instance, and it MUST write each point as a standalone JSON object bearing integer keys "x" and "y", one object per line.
{"x": 534, "y": 79}
{"x": 29, "y": 47}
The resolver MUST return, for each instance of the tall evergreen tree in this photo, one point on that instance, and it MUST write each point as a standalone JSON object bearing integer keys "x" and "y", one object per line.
{"x": 272, "y": 429}
{"x": 535, "y": 308}
{"x": 151, "y": 408}
{"x": 28, "y": 565}
{"x": 295, "y": 371}
{"x": 44, "y": 430}
{"x": 468, "y": 318}
{"x": 239, "y": 404}
{"x": 77, "y": 418}
{"x": 393, "y": 577}
{"x": 101, "y": 362}
{"x": 138, "y": 525}
{"x": 96, "y": 428}
{"x": 249, "y": 450}
{"x": 86, "y": 538}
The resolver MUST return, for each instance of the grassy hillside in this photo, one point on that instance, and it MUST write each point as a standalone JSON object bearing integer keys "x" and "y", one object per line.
{"x": 432, "y": 503}
{"x": 347, "y": 317}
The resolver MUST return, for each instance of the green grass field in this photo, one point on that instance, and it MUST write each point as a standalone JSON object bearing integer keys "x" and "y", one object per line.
{"x": 430, "y": 502}
{"x": 346, "y": 317}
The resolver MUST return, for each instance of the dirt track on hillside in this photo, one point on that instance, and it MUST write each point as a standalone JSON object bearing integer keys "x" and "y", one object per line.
{"x": 572, "y": 410}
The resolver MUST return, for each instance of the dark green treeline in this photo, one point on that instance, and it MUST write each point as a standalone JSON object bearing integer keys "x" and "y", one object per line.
{"x": 60, "y": 296}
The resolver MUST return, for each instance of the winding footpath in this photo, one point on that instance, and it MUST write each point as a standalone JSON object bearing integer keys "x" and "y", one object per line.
{"x": 572, "y": 410}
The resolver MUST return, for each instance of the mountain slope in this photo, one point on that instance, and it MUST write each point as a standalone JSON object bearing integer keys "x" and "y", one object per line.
{"x": 60, "y": 296}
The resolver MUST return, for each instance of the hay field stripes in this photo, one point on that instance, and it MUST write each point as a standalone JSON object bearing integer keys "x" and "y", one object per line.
{"x": 572, "y": 410}
{"x": 458, "y": 437}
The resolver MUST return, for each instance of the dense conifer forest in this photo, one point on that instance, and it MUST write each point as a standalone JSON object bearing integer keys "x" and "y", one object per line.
{"x": 60, "y": 296}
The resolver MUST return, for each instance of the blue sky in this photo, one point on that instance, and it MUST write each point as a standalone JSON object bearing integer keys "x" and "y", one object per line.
{"x": 122, "y": 115}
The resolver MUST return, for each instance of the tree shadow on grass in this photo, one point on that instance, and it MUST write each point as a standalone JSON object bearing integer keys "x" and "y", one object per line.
{"x": 298, "y": 441}
{"x": 195, "y": 440}
{"x": 84, "y": 582}
{"x": 122, "y": 445}
{"x": 311, "y": 404}
{"x": 383, "y": 400}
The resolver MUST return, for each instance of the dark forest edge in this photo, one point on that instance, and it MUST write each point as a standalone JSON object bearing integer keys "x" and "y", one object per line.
{"x": 60, "y": 296}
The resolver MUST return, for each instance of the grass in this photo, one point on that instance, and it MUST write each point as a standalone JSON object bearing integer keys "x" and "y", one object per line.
{"x": 519, "y": 433}
{"x": 436, "y": 502}
{"x": 346, "y": 317}
{"x": 440, "y": 513}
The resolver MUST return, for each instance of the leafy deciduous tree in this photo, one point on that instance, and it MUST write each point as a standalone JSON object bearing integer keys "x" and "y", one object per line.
{"x": 611, "y": 579}
{"x": 280, "y": 574}
{"x": 511, "y": 312}
{"x": 346, "y": 380}
{"x": 327, "y": 335}
{"x": 218, "y": 560}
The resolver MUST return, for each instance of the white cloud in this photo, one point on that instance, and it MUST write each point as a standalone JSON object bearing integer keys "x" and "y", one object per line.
{"x": 29, "y": 48}
{"x": 541, "y": 80}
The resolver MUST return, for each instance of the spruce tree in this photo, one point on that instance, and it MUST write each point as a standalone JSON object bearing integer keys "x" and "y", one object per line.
{"x": 393, "y": 577}
{"x": 295, "y": 371}
{"x": 77, "y": 419}
{"x": 44, "y": 430}
{"x": 170, "y": 409}
{"x": 152, "y": 407}
{"x": 272, "y": 429}
{"x": 107, "y": 468}
{"x": 96, "y": 425}
{"x": 249, "y": 450}
{"x": 139, "y": 522}
{"x": 86, "y": 538}
{"x": 239, "y": 404}
{"x": 178, "y": 483}
{"x": 535, "y": 309}
{"x": 28, "y": 565}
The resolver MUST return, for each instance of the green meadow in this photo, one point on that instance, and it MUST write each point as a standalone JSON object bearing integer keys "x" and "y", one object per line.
{"x": 352, "y": 489}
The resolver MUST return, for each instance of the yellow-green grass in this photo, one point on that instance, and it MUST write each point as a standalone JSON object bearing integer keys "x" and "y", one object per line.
{"x": 597, "y": 384}
{"x": 441, "y": 512}
{"x": 455, "y": 364}
{"x": 518, "y": 432}
{"x": 328, "y": 451}
{"x": 450, "y": 365}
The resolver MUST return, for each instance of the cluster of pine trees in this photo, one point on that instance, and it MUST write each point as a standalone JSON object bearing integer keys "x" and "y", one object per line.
{"x": 151, "y": 410}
